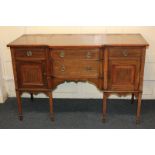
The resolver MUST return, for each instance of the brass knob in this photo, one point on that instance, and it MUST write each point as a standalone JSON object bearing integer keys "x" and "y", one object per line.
{"x": 88, "y": 56}
{"x": 125, "y": 53}
{"x": 29, "y": 53}
{"x": 62, "y": 54}
{"x": 88, "y": 68}
{"x": 62, "y": 68}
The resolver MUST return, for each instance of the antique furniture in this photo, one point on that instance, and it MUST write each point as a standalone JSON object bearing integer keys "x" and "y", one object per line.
{"x": 112, "y": 62}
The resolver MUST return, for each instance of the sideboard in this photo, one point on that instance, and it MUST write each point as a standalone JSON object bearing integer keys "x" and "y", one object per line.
{"x": 114, "y": 63}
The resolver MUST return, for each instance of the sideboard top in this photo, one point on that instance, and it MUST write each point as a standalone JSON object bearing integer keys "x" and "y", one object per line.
{"x": 55, "y": 40}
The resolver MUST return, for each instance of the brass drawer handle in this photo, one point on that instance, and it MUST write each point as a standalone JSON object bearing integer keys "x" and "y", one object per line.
{"x": 88, "y": 56}
{"x": 89, "y": 68}
{"x": 62, "y": 68}
{"x": 62, "y": 54}
{"x": 29, "y": 53}
{"x": 125, "y": 53}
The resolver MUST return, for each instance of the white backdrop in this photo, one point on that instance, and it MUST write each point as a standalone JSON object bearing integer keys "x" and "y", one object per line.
{"x": 80, "y": 90}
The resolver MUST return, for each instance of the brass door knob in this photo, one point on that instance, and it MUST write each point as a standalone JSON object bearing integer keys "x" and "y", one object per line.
{"x": 29, "y": 53}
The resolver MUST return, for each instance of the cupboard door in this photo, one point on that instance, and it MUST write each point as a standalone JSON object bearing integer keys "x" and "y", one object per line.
{"x": 31, "y": 74}
{"x": 123, "y": 74}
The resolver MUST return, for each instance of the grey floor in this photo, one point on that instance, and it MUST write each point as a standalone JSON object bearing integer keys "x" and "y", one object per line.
{"x": 76, "y": 114}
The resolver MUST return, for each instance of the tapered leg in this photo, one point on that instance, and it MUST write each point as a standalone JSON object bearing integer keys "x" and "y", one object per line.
{"x": 104, "y": 107}
{"x": 20, "y": 115}
{"x": 139, "y": 108}
{"x": 132, "y": 98}
{"x": 51, "y": 106}
{"x": 31, "y": 96}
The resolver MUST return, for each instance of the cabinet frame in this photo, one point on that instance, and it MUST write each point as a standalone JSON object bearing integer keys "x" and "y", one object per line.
{"x": 109, "y": 66}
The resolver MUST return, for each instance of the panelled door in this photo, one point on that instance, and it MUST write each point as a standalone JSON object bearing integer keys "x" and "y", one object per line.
{"x": 123, "y": 74}
{"x": 31, "y": 74}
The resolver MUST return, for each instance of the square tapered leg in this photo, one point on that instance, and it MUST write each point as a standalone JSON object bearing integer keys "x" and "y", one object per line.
{"x": 104, "y": 106}
{"x": 19, "y": 103}
{"x": 139, "y": 108}
{"x": 51, "y": 106}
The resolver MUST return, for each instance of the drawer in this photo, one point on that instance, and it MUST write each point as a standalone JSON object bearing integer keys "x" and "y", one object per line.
{"x": 124, "y": 52}
{"x": 28, "y": 53}
{"x": 76, "y": 69}
{"x": 92, "y": 54}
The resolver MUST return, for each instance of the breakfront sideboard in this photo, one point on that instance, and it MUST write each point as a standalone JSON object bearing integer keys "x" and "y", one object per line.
{"x": 112, "y": 62}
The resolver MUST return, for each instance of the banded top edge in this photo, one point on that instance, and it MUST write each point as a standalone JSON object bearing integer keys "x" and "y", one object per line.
{"x": 66, "y": 40}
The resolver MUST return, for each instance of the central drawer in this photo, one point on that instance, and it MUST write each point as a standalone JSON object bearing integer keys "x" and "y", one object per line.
{"x": 75, "y": 68}
{"x": 90, "y": 54}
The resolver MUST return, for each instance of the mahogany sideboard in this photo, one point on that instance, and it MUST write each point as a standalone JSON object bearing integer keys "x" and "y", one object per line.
{"x": 112, "y": 62}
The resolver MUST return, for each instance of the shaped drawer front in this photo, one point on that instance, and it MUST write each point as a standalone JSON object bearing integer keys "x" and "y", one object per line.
{"x": 89, "y": 54}
{"x": 76, "y": 69}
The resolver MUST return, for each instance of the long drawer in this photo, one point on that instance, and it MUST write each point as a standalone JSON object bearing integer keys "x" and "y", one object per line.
{"x": 76, "y": 69}
{"x": 90, "y": 54}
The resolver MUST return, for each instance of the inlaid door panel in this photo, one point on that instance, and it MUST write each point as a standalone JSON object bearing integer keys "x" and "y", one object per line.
{"x": 31, "y": 74}
{"x": 123, "y": 74}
